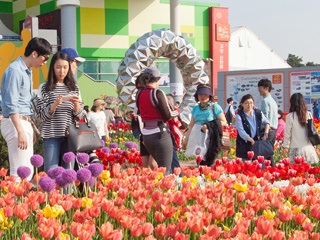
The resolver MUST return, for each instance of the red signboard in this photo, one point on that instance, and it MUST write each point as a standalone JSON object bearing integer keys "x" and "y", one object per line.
{"x": 219, "y": 36}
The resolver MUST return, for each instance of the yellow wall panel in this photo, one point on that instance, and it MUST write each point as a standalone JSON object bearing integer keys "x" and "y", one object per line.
{"x": 32, "y": 3}
{"x": 104, "y": 41}
{"x": 92, "y": 21}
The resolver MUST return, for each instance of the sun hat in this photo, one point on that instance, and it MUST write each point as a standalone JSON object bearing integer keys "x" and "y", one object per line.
{"x": 153, "y": 70}
{"x": 203, "y": 89}
{"x": 73, "y": 54}
{"x": 97, "y": 102}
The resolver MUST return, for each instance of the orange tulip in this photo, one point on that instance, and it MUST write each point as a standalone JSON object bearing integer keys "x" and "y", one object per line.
{"x": 315, "y": 211}
{"x": 105, "y": 230}
{"x": 159, "y": 217}
{"x": 147, "y": 229}
{"x": 116, "y": 235}
{"x": 213, "y": 231}
{"x": 195, "y": 224}
{"x": 136, "y": 230}
{"x": 285, "y": 214}
{"x": 181, "y": 236}
{"x": 278, "y": 235}
{"x": 171, "y": 230}
{"x": 168, "y": 211}
{"x": 288, "y": 190}
{"x": 179, "y": 198}
{"x": 21, "y": 211}
{"x": 264, "y": 226}
{"x": 307, "y": 226}
{"x": 46, "y": 231}
{"x": 26, "y": 236}
{"x": 160, "y": 230}
{"x": 300, "y": 218}
{"x": 94, "y": 211}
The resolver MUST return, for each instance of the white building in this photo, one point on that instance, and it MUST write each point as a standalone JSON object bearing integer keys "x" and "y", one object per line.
{"x": 247, "y": 52}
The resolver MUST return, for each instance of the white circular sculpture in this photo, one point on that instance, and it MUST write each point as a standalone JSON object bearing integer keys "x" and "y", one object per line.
{"x": 162, "y": 43}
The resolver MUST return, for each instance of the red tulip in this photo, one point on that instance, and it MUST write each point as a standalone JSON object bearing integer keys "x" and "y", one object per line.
{"x": 224, "y": 160}
{"x": 198, "y": 159}
{"x": 250, "y": 154}
{"x": 260, "y": 159}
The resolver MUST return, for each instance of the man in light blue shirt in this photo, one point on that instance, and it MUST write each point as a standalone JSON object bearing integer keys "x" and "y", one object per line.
{"x": 16, "y": 93}
{"x": 269, "y": 108}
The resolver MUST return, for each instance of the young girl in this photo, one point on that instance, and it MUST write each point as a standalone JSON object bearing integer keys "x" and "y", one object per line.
{"x": 59, "y": 106}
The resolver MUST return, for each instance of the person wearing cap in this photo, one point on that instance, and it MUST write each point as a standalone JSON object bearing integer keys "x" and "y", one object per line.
{"x": 98, "y": 118}
{"x": 58, "y": 103}
{"x": 205, "y": 131}
{"x": 75, "y": 59}
{"x": 16, "y": 94}
{"x": 154, "y": 110}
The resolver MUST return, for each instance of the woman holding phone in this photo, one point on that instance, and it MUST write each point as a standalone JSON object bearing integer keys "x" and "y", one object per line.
{"x": 58, "y": 103}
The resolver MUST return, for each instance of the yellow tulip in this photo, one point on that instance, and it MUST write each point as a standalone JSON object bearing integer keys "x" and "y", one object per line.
{"x": 239, "y": 187}
{"x": 52, "y": 212}
{"x": 86, "y": 202}
{"x": 269, "y": 214}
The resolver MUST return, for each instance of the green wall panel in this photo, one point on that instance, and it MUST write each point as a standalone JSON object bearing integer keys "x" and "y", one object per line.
{"x": 102, "y": 53}
{"x": 159, "y": 26}
{"x": 202, "y": 42}
{"x": 17, "y": 17}
{"x": 201, "y": 16}
{"x": 116, "y": 4}
{"x": 116, "y": 22}
{"x": 48, "y": 7}
{"x": 5, "y": 7}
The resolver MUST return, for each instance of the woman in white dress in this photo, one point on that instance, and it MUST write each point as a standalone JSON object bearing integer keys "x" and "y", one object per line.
{"x": 296, "y": 142}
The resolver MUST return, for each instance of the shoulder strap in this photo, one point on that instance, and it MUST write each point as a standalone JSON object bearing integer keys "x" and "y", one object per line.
{"x": 153, "y": 97}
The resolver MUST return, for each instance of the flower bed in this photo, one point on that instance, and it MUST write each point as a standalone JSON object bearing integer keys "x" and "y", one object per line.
{"x": 281, "y": 202}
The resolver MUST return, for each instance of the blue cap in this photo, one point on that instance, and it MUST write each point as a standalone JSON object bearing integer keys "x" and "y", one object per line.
{"x": 73, "y": 54}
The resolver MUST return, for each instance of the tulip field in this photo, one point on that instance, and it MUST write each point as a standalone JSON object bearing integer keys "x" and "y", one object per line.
{"x": 118, "y": 199}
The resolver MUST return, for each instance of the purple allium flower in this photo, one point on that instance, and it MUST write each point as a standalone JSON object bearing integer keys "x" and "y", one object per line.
{"x": 91, "y": 181}
{"x": 95, "y": 169}
{"x": 69, "y": 157}
{"x": 103, "y": 143}
{"x": 106, "y": 149}
{"x": 69, "y": 176}
{"x": 23, "y": 172}
{"x": 36, "y": 160}
{"x": 83, "y": 158}
{"x": 60, "y": 181}
{"x": 55, "y": 172}
{"x": 131, "y": 145}
{"x": 113, "y": 145}
{"x": 83, "y": 175}
{"x": 128, "y": 144}
{"x": 47, "y": 184}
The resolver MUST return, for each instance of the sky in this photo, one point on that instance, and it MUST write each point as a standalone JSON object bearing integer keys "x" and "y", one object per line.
{"x": 286, "y": 26}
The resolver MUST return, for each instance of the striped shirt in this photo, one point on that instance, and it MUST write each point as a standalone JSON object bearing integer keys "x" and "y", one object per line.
{"x": 55, "y": 124}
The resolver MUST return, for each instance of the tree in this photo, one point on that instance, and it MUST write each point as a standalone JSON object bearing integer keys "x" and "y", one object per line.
{"x": 310, "y": 64}
{"x": 295, "y": 61}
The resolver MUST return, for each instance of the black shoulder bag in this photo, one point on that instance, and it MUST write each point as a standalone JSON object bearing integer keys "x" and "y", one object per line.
{"x": 83, "y": 137}
{"x": 312, "y": 131}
